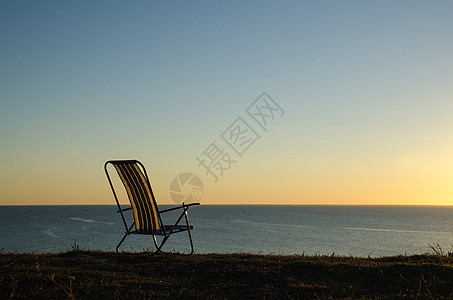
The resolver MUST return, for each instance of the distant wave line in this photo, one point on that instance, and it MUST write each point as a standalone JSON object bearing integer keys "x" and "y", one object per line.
{"x": 51, "y": 234}
{"x": 90, "y": 221}
{"x": 341, "y": 228}
{"x": 241, "y": 221}
{"x": 392, "y": 230}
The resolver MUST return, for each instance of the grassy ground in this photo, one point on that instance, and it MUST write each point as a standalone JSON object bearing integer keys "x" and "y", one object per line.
{"x": 107, "y": 275}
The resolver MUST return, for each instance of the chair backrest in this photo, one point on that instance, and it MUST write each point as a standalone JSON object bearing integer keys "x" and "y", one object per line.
{"x": 141, "y": 197}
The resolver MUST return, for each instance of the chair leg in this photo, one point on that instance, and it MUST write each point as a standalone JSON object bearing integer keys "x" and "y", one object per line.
{"x": 122, "y": 240}
{"x": 156, "y": 244}
{"x": 188, "y": 229}
{"x": 190, "y": 238}
{"x": 159, "y": 247}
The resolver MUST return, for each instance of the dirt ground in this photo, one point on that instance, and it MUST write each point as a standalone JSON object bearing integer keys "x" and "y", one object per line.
{"x": 107, "y": 275}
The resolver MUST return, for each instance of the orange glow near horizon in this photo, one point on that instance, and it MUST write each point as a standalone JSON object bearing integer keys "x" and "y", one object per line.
{"x": 359, "y": 115}
{"x": 421, "y": 183}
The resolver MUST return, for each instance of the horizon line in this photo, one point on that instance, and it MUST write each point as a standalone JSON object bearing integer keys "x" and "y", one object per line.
{"x": 249, "y": 204}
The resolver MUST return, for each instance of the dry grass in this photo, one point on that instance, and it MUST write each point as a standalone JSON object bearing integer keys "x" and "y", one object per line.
{"x": 107, "y": 275}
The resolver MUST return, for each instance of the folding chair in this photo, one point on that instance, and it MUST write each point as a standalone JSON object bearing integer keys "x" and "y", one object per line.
{"x": 147, "y": 216}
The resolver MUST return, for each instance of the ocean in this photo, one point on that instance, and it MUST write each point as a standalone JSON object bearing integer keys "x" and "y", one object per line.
{"x": 311, "y": 230}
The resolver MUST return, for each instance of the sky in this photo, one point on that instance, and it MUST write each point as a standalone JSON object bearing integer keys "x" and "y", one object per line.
{"x": 356, "y": 96}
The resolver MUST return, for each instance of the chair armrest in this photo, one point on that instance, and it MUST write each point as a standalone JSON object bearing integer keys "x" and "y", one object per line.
{"x": 178, "y": 207}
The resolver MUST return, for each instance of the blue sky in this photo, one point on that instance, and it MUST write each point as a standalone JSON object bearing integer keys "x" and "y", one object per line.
{"x": 366, "y": 87}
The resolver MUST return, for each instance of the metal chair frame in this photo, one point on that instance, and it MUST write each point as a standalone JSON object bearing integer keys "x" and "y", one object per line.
{"x": 166, "y": 230}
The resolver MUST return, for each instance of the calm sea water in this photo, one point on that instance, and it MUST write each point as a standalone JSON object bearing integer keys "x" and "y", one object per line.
{"x": 357, "y": 231}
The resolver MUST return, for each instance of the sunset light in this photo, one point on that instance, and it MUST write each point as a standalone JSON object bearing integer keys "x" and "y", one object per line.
{"x": 329, "y": 104}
